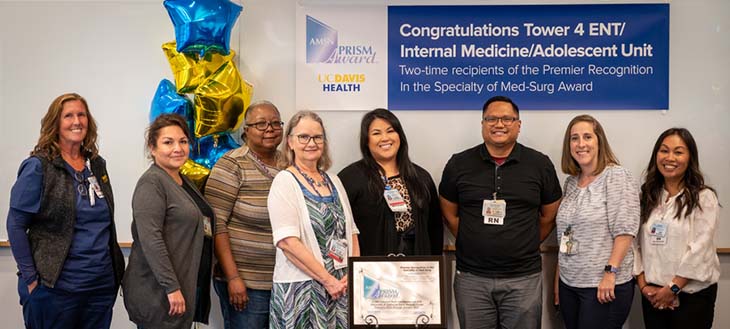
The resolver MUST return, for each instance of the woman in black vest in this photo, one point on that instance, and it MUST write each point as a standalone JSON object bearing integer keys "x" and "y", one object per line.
{"x": 394, "y": 201}
{"x": 61, "y": 224}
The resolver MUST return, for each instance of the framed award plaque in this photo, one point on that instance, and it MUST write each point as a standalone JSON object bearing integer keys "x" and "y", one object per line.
{"x": 396, "y": 292}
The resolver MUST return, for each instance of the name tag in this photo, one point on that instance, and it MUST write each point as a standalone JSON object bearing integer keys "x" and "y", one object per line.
{"x": 207, "y": 227}
{"x": 568, "y": 245}
{"x": 658, "y": 233}
{"x": 94, "y": 185}
{"x": 494, "y": 211}
{"x": 395, "y": 200}
{"x": 338, "y": 252}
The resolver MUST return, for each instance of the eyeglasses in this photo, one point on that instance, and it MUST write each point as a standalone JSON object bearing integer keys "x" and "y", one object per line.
{"x": 263, "y": 125}
{"x": 304, "y": 139}
{"x": 507, "y": 121}
{"x": 81, "y": 188}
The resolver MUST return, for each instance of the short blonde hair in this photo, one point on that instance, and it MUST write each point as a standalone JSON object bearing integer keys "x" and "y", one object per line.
{"x": 605, "y": 155}
{"x": 325, "y": 162}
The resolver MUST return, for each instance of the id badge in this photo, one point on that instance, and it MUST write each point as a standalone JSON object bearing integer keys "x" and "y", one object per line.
{"x": 94, "y": 184}
{"x": 568, "y": 245}
{"x": 658, "y": 233}
{"x": 395, "y": 200}
{"x": 207, "y": 228}
{"x": 338, "y": 252}
{"x": 494, "y": 211}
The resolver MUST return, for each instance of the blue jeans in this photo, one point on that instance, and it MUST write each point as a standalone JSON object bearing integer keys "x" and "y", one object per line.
{"x": 512, "y": 303}
{"x": 256, "y": 313}
{"x": 51, "y": 308}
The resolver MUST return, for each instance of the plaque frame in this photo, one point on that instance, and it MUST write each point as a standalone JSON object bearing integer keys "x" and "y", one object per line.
{"x": 422, "y": 321}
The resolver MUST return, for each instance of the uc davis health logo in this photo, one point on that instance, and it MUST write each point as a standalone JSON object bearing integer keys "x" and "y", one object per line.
{"x": 323, "y": 47}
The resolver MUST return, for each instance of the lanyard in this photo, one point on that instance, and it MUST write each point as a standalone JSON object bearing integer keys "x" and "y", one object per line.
{"x": 94, "y": 187}
{"x": 386, "y": 182}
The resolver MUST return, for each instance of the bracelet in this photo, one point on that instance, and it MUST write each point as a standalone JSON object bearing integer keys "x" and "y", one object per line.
{"x": 641, "y": 289}
{"x": 233, "y": 278}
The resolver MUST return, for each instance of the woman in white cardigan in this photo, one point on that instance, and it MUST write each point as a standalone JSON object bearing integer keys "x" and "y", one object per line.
{"x": 313, "y": 230}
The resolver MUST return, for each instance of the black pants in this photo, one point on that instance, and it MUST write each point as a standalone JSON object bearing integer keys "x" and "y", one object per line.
{"x": 581, "y": 309}
{"x": 695, "y": 310}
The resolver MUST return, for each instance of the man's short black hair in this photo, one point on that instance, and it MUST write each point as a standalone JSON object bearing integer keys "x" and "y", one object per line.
{"x": 501, "y": 99}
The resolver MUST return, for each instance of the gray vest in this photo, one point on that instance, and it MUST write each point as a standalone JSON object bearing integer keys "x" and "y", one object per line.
{"x": 51, "y": 231}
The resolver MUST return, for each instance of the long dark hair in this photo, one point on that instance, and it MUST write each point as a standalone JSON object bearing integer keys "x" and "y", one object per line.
{"x": 693, "y": 181}
{"x": 417, "y": 188}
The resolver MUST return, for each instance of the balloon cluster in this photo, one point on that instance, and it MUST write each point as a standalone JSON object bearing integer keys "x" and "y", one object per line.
{"x": 202, "y": 64}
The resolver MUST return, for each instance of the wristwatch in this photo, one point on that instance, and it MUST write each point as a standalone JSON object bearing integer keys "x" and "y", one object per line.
{"x": 674, "y": 288}
{"x": 610, "y": 269}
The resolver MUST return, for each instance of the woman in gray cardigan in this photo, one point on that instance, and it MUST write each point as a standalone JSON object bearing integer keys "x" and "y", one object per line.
{"x": 167, "y": 283}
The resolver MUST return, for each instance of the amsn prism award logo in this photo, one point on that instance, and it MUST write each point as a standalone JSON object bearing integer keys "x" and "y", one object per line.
{"x": 323, "y": 47}
{"x": 372, "y": 290}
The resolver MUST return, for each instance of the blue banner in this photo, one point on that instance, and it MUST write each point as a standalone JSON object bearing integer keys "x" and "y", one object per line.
{"x": 545, "y": 57}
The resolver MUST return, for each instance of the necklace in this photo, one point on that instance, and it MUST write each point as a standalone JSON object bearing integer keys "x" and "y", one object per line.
{"x": 326, "y": 183}
{"x": 314, "y": 184}
{"x": 262, "y": 166}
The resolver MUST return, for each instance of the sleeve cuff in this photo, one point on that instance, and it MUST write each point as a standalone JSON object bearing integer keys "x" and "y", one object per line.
{"x": 30, "y": 278}
{"x": 285, "y": 232}
{"x": 172, "y": 288}
{"x": 220, "y": 228}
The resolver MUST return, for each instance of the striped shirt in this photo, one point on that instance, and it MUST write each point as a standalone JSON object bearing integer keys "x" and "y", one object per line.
{"x": 606, "y": 208}
{"x": 237, "y": 190}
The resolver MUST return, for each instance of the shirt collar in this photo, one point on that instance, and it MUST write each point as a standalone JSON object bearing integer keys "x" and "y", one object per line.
{"x": 665, "y": 195}
{"x": 515, "y": 155}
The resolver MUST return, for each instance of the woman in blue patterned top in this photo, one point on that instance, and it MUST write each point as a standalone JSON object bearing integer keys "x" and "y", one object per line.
{"x": 313, "y": 231}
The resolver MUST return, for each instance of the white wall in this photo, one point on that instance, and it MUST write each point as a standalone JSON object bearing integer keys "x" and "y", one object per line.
{"x": 109, "y": 51}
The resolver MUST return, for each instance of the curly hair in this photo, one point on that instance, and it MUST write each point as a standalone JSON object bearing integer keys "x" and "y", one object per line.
{"x": 47, "y": 146}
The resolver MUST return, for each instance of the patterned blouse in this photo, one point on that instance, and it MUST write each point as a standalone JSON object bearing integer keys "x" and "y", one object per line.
{"x": 597, "y": 214}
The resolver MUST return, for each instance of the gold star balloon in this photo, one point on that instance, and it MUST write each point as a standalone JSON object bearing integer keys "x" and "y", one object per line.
{"x": 189, "y": 71}
{"x": 220, "y": 101}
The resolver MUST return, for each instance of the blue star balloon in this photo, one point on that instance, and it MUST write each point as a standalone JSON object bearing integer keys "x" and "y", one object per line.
{"x": 203, "y": 25}
{"x": 167, "y": 100}
{"x": 208, "y": 149}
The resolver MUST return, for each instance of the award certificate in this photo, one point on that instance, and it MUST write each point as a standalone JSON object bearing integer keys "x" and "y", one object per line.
{"x": 396, "y": 292}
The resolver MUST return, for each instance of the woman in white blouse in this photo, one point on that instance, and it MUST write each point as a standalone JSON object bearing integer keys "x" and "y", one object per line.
{"x": 596, "y": 222}
{"x": 313, "y": 230}
{"x": 677, "y": 266}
